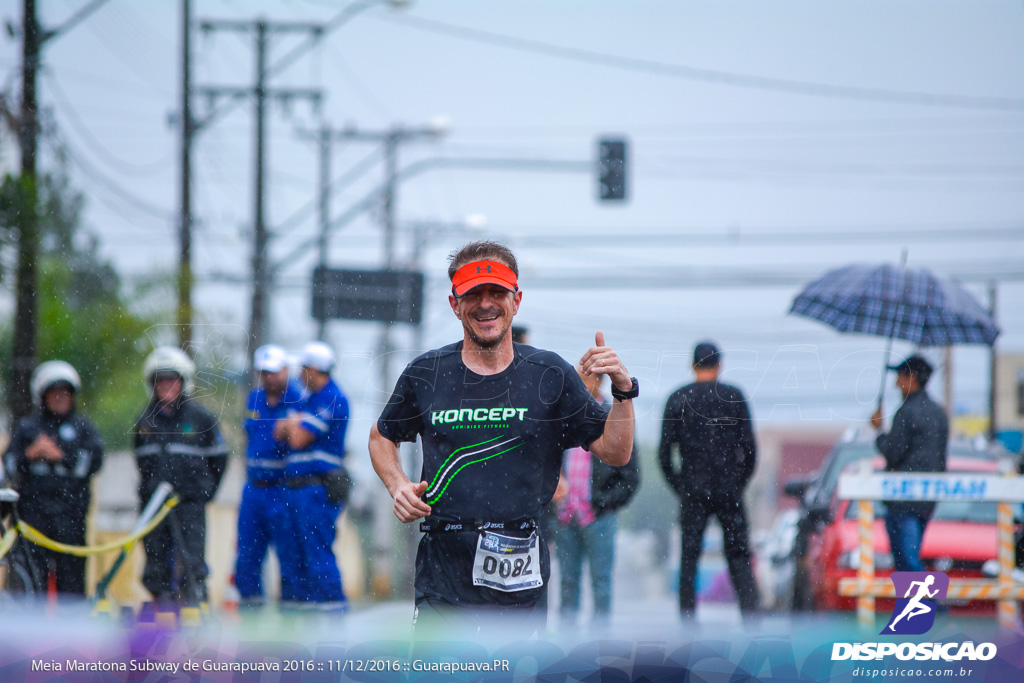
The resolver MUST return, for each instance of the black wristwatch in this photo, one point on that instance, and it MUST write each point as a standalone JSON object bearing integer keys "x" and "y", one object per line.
{"x": 632, "y": 392}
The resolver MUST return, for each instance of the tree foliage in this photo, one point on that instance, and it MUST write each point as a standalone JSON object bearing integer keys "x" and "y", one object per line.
{"x": 85, "y": 318}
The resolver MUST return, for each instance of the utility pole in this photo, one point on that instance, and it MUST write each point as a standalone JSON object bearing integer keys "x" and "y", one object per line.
{"x": 325, "y": 138}
{"x": 260, "y": 92}
{"x": 185, "y": 229}
{"x": 325, "y": 210}
{"x": 993, "y": 367}
{"x": 390, "y": 139}
{"x": 24, "y": 352}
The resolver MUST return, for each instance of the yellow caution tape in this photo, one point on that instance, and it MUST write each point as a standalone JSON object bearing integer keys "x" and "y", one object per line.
{"x": 32, "y": 534}
{"x": 7, "y": 541}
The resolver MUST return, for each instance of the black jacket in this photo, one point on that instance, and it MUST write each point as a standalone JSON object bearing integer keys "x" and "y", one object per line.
{"x": 182, "y": 447}
{"x": 60, "y": 487}
{"x": 916, "y": 443}
{"x": 612, "y": 487}
{"x": 708, "y": 424}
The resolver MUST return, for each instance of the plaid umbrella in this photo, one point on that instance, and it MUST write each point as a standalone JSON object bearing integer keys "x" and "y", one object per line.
{"x": 897, "y": 302}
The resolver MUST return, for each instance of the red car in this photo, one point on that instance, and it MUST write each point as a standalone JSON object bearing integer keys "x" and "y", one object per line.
{"x": 958, "y": 540}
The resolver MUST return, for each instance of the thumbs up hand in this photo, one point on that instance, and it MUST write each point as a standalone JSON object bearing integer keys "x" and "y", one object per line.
{"x": 602, "y": 360}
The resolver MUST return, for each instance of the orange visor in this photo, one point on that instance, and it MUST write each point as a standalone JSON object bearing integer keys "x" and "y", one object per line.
{"x": 483, "y": 273}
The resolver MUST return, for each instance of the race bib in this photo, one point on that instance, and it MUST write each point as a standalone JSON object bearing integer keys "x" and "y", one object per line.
{"x": 507, "y": 564}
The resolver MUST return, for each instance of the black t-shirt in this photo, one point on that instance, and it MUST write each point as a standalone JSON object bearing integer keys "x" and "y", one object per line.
{"x": 492, "y": 450}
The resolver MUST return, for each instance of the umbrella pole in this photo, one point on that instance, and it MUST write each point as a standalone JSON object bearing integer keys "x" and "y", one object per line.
{"x": 892, "y": 332}
{"x": 885, "y": 371}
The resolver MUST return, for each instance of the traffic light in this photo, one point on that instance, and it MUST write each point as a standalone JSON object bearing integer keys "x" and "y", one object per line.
{"x": 611, "y": 169}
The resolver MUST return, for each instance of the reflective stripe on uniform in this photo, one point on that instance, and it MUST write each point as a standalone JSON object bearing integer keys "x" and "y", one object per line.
{"x": 217, "y": 450}
{"x": 148, "y": 449}
{"x": 314, "y": 421}
{"x": 315, "y": 455}
{"x": 269, "y": 464}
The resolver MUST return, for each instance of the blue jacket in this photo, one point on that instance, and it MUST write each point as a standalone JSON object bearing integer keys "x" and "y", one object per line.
{"x": 264, "y": 455}
{"x": 325, "y": 415}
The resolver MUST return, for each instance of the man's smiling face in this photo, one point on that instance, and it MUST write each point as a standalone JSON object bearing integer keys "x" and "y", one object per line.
{"x": 486, "y": 313}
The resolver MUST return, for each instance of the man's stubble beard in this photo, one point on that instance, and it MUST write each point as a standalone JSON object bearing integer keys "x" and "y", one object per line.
{"x": 485, "y": 344}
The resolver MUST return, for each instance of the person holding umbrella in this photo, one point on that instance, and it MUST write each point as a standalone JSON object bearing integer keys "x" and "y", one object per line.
{"x": 916, "y": 443}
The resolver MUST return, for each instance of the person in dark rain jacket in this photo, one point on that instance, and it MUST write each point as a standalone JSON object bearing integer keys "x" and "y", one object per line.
{"x": 916, "y": 443}
{"x": 709, "y": 425}
{"x": 53, "y": 454}
{"x": 177, "y": 441}
{"x": 587, "y": 516}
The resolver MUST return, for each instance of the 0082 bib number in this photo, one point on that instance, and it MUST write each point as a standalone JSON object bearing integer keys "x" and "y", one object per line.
{"x": 507, "y": 564}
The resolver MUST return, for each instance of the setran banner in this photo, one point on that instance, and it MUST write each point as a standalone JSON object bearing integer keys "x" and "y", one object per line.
{"x": 931, "y": 486}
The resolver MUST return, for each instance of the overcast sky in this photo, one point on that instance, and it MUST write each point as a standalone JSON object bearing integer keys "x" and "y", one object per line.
{"x": 783, "y": 138}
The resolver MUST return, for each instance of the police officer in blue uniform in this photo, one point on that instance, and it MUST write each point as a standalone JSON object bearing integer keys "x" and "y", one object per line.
{"x": 262, "y": 516}
{"x": 316, "y": 484}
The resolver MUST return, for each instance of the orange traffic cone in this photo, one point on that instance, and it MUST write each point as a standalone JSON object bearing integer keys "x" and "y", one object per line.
{"x": 229, "y": 605}
{"x": 51, "y": 591}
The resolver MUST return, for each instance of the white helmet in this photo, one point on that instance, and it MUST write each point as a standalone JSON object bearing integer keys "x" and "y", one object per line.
{"x": 317, "y": 355}
{"x": 49, "y": 373}
{"x": 270, "y": 358}
{"x": 169, "y": 359}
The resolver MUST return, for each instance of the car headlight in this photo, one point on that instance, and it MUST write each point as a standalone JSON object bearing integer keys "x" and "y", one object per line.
{"x": 851, "y": 560}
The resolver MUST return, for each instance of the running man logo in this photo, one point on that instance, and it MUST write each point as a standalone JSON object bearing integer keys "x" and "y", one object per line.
{"x": 914, "y": 613}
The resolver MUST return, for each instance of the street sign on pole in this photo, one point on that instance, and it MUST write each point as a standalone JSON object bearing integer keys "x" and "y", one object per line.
{"x": 390, "y": 296}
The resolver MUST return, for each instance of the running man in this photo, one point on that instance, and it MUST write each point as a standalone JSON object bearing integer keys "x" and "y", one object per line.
{"x": 494, "y": 418}
{"x": 915, "y": 606}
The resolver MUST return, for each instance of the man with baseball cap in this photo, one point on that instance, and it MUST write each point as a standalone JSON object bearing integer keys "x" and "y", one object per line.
{"x": 262, "y": 515}
{"x": 493, "y": 419}
{"x": 315, "y": 482}
{"x": 916, "y": 443}
{"x": 707, "y": 427}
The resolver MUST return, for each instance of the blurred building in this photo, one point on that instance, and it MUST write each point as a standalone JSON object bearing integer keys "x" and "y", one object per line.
{"x": 785, "y": 452}
{"x": 1010, "y": 395}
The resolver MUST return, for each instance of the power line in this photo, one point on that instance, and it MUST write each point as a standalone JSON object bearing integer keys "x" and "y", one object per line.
{"x": 854, "y": 169}
{"x": 93, "y": 174}
{"x": 708, "y": 278}
{"x": 65, "y": 106}
{"x": 677, "y": 278}
{"x": 714, "y": 76}
{"x": 307, "y": 210}
{"x": 424, "y": 165}
{"x": 361, "y": 90}
{"x": 128, "y": 58}
{"x": 642, "y": 237}
{"x": 787, "y": 128}
{"x": 332, "y": 24}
